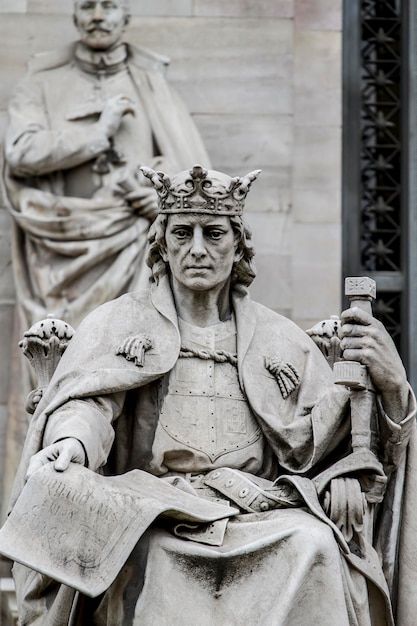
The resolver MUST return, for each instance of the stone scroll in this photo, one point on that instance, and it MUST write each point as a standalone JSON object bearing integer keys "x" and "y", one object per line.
{"x": 79, "y": 527}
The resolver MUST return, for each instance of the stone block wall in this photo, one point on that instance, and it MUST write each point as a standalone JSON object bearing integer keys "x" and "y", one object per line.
{"x": 262, "y": 79}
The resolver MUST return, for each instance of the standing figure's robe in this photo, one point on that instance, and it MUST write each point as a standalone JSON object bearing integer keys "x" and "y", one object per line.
{"x": 77, "y": 242}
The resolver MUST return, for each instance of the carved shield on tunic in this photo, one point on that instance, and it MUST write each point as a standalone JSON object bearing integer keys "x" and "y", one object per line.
{"x": 205, "y": 408}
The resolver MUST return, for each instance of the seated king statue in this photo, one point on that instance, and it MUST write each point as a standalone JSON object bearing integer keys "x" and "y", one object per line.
{"x": 194, "y": 385}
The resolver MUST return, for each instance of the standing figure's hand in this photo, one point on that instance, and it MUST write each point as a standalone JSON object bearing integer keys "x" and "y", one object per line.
{"x": 113, "y": 112}
{"x": 144, "y": 201}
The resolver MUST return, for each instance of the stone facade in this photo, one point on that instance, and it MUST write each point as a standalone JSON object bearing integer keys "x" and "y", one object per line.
{"x": 262, "y": 80}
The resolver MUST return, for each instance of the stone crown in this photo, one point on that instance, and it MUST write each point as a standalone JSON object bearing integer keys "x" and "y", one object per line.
{"x": 199, "y": 190}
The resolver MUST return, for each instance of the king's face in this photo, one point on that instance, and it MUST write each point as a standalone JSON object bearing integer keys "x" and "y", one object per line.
{"x": 200, "y": 250}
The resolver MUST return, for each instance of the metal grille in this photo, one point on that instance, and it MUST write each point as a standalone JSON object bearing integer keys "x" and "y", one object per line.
{"x": 380, "y": 152}
{"x": 381, "y": 136}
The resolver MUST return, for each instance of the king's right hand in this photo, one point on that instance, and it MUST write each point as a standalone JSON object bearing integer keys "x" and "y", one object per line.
{"x": 60, "y": 453}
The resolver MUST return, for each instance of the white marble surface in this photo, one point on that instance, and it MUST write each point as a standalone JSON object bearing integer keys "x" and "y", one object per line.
{"x": 237, "y": 8}
{"x": 13, "y": 6}
{"x": 316, "y": 250}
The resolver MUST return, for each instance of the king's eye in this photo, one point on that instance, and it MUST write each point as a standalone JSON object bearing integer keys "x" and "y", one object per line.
{"x": 215, "y": 234}
{"x": 181, "y": 233}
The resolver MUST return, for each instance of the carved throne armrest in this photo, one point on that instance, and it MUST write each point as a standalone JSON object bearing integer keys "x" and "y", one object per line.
{"x": 325, "y": 335}
{"x": 44, "y": 344}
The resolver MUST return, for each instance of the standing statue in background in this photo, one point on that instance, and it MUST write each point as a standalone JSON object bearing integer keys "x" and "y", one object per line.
{"x": 81, "y": 124}
{"x": 188, "y": 396}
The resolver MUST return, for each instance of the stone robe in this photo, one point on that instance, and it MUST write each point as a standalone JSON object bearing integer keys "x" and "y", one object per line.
{"x": 281, "y": 567}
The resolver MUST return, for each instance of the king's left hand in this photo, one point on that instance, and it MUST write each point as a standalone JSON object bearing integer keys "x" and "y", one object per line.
{"x": 365, "y": 339}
